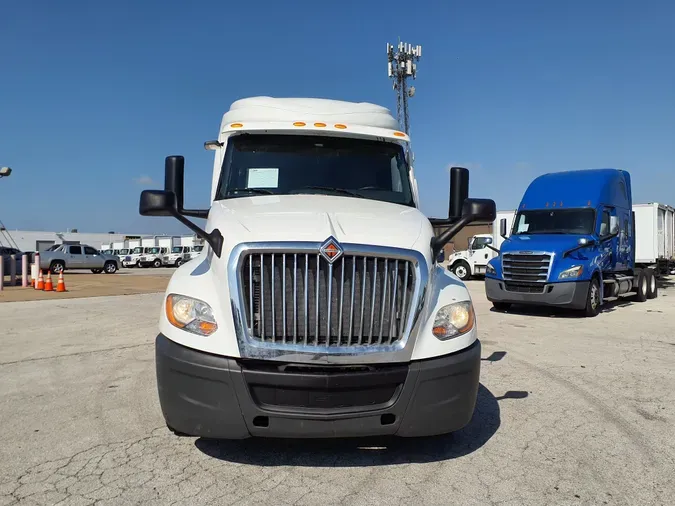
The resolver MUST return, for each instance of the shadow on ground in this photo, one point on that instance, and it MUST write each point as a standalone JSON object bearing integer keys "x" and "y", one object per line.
{"x": 364, "y": 452}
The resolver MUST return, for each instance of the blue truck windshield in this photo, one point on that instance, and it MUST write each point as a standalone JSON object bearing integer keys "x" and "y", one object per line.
{"x": 273, "y": 164}
{"x": 555, "y": 221}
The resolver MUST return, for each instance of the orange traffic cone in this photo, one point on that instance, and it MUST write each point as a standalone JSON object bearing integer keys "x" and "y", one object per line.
{"x": 61, "y": 286}
{"x": 40, "y": 281}
{"x": 49, "y": 286}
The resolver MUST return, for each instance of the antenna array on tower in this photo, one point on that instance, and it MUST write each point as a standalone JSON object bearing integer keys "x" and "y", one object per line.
{"x": 402, "y": 64}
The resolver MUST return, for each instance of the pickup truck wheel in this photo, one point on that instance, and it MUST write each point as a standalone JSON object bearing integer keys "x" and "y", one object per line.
{"x": 57, "y": 267}
{"x": 110, "y": 267}
{"x": 642, "y": 286}
{"x": 593, "y": 299}
{"x": 462, "y": 270}
{"x": 652, "y": 287}
{"x": 97, "y": 271}
{"x": 157, "y": 263}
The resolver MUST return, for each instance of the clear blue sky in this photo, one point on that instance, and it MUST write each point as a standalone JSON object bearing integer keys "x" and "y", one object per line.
{"x": 94, "y": 95}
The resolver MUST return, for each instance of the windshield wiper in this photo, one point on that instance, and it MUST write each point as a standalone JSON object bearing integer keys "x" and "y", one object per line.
{"x": 332, "y": 189}
{"x": 261, "y": 191}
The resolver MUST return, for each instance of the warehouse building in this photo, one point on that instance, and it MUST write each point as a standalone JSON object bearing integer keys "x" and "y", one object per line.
{"x": 26, "y": 240}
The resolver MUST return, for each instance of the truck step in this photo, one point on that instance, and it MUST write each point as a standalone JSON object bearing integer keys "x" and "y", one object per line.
{"x": 617, "y": 279}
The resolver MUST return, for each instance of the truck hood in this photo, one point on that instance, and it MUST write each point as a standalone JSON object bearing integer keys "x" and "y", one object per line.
{"x": 314, "y": 218}
{"x": 541, "y": 242}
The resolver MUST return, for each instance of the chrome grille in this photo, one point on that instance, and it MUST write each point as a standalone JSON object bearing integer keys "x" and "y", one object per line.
{"x": 531, "y": 268}
{"x": 302, "y": 299}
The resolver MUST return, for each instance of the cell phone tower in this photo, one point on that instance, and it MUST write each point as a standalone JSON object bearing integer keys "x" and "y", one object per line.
{"x": 402, "y": 65}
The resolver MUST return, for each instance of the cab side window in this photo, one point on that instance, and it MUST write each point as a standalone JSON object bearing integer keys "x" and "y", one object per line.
{"x": 75, "y": 250}
{"x": 89, "y": 251}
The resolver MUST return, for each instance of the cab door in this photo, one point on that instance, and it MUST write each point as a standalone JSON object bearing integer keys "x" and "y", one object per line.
{"x": 609, "y": 247}
{"x": 92, "y": 258}
{"x": 75, "y": 257}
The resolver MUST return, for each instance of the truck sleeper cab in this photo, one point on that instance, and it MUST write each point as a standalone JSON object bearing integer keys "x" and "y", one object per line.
{"x": 316, "y": 308}
{"x": 572, "y": 245}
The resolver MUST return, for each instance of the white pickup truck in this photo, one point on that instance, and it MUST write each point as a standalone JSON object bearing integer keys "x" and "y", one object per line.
{"x": 318, "y": 307}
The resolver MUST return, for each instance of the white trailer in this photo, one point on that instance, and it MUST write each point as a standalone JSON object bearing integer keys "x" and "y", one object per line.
{"x": 473, "y": 261}
{"x": 655, "y": 237}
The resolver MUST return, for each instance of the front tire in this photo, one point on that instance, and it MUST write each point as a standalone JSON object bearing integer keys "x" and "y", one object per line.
{"x": 110, "y": 267}
{"x": 179, "y": 262}
{"x": 462, "y": 270}
{"x": 593, "y": 299}
{"x": 157, "y": 263}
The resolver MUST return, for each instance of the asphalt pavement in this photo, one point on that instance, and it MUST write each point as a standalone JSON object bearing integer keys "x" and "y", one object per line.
{"x": 570, "y": 411}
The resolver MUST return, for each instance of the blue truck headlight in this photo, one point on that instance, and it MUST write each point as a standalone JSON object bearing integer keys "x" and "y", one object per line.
{"x": 454, "y": 320}
{"x": 490, "y": 270}
{"x": 190, "y": 314}
{"x": 572, "y": 272}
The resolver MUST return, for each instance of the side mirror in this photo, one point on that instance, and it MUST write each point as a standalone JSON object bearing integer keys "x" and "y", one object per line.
{"x": 157, "y": 203}
{"x": 479, "y": 210}
{"x": 472, "y": 210}
{"x": 613, "y": 225}
{"x": 169, "y": 202}
{"x": 502, "y": 228}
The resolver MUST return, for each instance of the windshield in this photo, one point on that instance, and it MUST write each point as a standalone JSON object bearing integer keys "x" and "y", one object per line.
{"x": 177, "y": 249}
{"x": 198, "y": 248}
{"x": 138, "y": 250}
{"x": 153, "y": 251}
{"x": 257, "y": 164}
{"x": 558, "y": 221}
{"x": 124, "y": 251}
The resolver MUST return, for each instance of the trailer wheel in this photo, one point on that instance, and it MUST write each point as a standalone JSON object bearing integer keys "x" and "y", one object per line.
{"x": 462, "y": 270}
{"x": 652, "y": 287}
{"x": 642, "y": 286}
{"x": 593, "y": 299}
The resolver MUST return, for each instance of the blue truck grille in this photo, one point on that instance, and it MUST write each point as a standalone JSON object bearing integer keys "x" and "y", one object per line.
{"x": 526, "y": 268}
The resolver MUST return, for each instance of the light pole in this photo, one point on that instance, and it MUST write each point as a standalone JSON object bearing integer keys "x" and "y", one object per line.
{"x": 5, "y": 172}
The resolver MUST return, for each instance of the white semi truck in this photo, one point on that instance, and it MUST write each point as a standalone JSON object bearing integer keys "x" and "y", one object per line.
{"x": 317, "y": 307}
{"x": 183, "y": 250}
{"x": 481, "y": 249}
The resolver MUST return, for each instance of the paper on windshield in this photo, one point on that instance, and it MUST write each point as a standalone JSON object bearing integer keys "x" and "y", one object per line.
{"x": 263, "y": 178}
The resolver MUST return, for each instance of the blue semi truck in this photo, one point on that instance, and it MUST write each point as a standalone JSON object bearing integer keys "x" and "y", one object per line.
{"x": 572, "y": 245}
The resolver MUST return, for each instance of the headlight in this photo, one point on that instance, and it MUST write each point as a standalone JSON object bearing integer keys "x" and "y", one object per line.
{"x": 573, "y": 272}
{"x": 190, "y": 314}
{"x": 490, "y": 270}
{"x": 453, "y": 320}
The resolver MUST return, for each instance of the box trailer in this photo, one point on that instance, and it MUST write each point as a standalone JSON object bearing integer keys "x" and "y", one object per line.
{"x": 655, "y": 236}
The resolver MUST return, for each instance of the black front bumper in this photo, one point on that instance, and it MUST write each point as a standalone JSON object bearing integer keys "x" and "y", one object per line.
{"x": 218, "y": 397}
{"x": 571, "y": 294}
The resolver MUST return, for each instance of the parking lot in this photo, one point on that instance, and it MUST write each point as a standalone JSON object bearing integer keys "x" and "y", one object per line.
{"x": 570, "y": 411}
